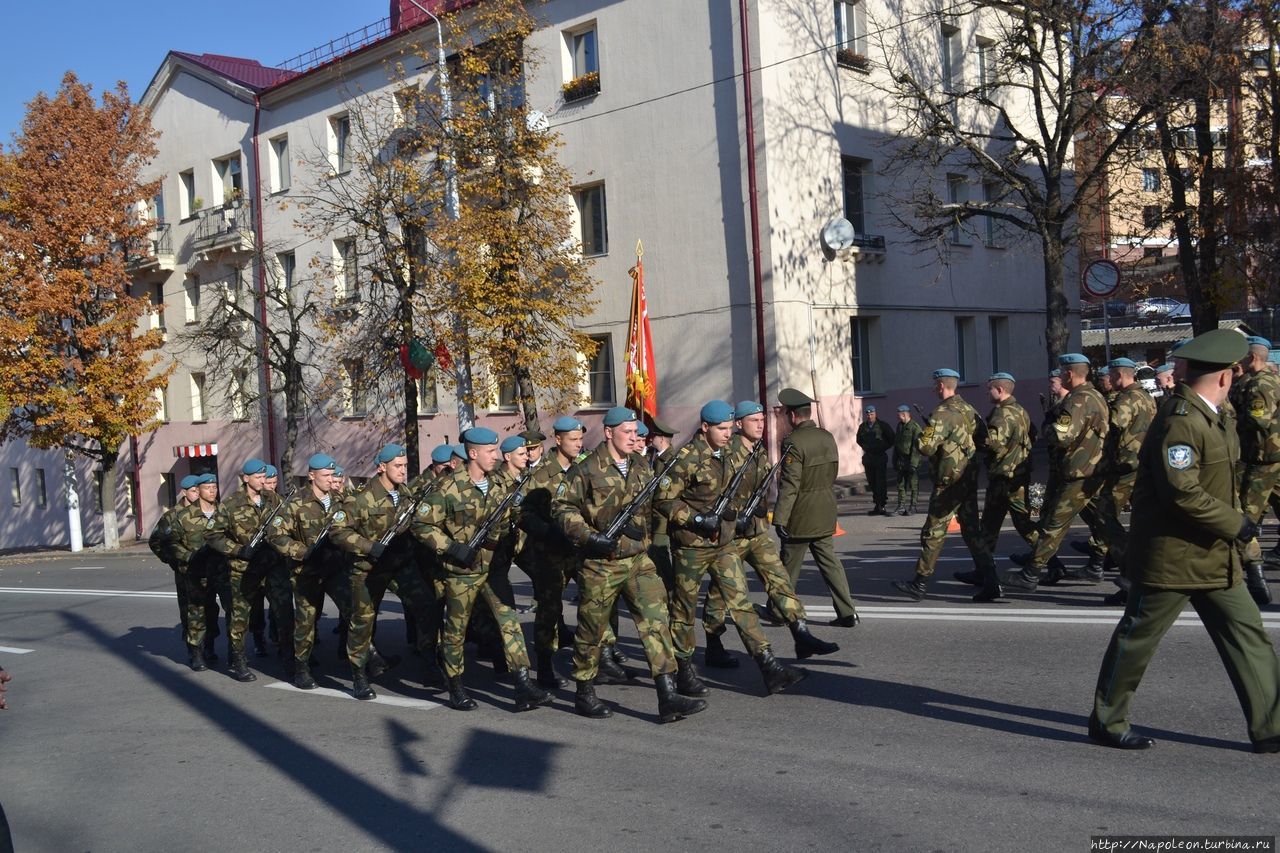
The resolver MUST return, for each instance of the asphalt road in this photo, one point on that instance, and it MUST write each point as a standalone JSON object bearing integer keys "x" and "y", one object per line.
{"x": 938, "y": 726}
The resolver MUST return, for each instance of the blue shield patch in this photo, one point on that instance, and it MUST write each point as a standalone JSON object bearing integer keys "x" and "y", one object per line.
{"x": 1180, "y": 457}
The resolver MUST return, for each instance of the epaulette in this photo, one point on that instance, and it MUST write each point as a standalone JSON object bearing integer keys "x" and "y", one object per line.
{"x": 1181, "y": 408}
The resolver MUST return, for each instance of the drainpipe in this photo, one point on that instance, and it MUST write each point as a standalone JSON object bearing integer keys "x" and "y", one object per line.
{"x": 260, "y": 275}
{"x": 136, "y": 476}
{"x": 756, "y": 273}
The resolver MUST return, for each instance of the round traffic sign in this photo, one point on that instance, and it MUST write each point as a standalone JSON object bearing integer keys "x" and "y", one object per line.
{"x": 1101, "y": 278}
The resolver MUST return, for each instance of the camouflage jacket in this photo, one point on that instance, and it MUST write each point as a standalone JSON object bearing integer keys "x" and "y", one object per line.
{"x": 161, "y": 539}
{"x": 1132, "y": 412}
{"x": 875, "y": 439}
{"x": 536, "y": 518}
{"x": 299, "y": 523}
{"x": 950, "y": 439}
{"x": 739, "y": 450}
{"x": 365, "y": 517}
{"x": 1079, "y": 432}
{"x": 1258, "y": 416}
{"x": 190, "y": 529}
{"x": 1008, "y": 445}
{"x": 659, "y": 462}
{"x": 595, "y": 491}
{"x": 690, "y": 488}
{"x": 906, "y": 445}
{"x": 236, "y": 522}
{"x": 454, "y": 513}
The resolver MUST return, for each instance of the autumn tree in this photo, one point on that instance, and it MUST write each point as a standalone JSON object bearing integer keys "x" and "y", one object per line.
{"x": 77, "y": 373}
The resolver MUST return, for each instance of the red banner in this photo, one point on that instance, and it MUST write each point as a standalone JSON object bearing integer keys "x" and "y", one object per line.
{"x": 642, "y": 373}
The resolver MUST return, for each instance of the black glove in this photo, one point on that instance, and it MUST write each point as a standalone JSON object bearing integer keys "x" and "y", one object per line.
{"x": 740, "y": 529}
{"x": 782, "y": 532}
{"x": 707, "y": 524}
{"x": 376, "y": 551}
{"x": 599, "y": 545}
{"x": 461, "y": 554}
{"x": 1256, "y": 582}
{"x": 760, "y": 511}
{"x": 1248, "y": 530}
{"x": 633, "y": 531}
{"x": 245, "y": 553}
{"x": 306, "y": 555}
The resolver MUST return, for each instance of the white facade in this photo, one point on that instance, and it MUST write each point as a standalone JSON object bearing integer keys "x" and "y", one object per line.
{"x": 665, "y": 136}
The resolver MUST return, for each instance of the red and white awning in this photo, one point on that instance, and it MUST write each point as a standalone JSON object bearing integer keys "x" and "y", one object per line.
{"x": 195, "y": 451}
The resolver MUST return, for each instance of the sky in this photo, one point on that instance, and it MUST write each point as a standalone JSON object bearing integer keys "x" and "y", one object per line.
{"x": 113, "y": 40}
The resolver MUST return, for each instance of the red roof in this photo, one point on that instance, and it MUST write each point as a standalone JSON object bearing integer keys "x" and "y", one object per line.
{"x": 248, "y": 72}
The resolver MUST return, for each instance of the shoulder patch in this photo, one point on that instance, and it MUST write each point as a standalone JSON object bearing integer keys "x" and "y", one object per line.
{"x": 208, "y": 525}
{"x": 423, "y": 509}
{"x": 666, "y": 481}
{"x": 1180, "y": 457}
{"x": 278, "y": 521}
{"x": 560, "y": 489}
{"x": 339, "y": 516}
{"x": 1258, "y": 409}
{"x": 1064, "y": 419}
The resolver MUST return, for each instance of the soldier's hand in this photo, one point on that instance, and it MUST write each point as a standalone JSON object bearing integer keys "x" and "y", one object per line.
{"x": 245, "y": 553}
{"x": 376, "y": 551}
{"x": 633, "y": 531}
{"x": 306, "y": 555}
{"x": 707, "y": 524}
{"x": 1248, "y": 530}
{"x": 781, "y": 531}
{"x": 599, "y": 545}
{"x": 740, "y": 529}
{"x": 760, "y": 511}
{"x": 461, "y": 554}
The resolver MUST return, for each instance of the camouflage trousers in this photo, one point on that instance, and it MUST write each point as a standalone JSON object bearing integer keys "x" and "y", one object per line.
{"x": 279, "y": 591}
{"x": 550, "y": 572}
{"x": 959, "y": 499}
{"x": 602, "y": 583}
{"x": 1106, "y": 532}
{"x": 460, "y": 594}
{"x": 724, "y": 564}
{"x": 660, "y": 554}
{"x": 1007, "y": 496}
{"x": 203, "y": 594}
{"x": 1257, "y": 485}
{"x": 310, "y": 585}
{"x": 1061, "y": 506}
{"x": 761, "y": 554}
{"x": 908, "y": 486}
{"x": 368, "y": 585}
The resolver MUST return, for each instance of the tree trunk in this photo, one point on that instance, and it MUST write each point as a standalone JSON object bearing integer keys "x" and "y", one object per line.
{"x": 410, "y": 386}
{"x": 292, "y": 414}
{"x": 1056, "y": 331}
{"x": 462, "y": 370}
{"x": 110, "y": 528}
{"x": 527, "y": 395}
{"x": 75, "y": 535}
{"x": 1204, "y": 316}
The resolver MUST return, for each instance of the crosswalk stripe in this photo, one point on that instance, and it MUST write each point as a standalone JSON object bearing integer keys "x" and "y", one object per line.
{"x": 397, "y": 701}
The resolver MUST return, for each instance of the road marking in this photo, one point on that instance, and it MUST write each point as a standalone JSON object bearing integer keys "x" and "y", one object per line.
{"x": 1068, "y": 616}
{"x": 10, "y": 650}
{"x": 397, "y": 701}
{"x": 86, "y": 568}
{"x": 909, "y": 558}
{"x": 101, "y": 593}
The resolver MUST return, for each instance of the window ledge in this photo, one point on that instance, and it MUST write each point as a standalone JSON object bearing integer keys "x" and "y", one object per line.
{"x": 603, "y": 254}
{"x": 595, "y": 407}
{"x": 863, "y": 395}
{"x": 995, "y": 246}
{"x": 281, "y": 191}
{"x": 353, "y": 417}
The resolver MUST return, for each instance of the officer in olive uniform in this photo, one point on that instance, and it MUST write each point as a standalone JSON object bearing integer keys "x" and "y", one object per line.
{"x": 804, "y": 514}
{"x": 906, "y": 460}
{"x": 590, "y": 498}
{"x": 1187, "y": 529}
{"x": 950, "y": 441}
{"x": 876, "y": 440}
{"x": 1258, "y": 421}
{"x": 161, "y": 540}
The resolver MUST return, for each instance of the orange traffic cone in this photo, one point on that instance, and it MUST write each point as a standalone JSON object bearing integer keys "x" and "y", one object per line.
{"x": 953, "y": 526}
{"x": 839, "y": 530}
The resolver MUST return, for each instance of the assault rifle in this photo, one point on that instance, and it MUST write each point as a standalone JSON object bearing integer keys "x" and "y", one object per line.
{"x": 603, "y": 543}
{"x": 465, "y": 554}
{"x": 261, "y": 532}
{"x": 401, "y": 524}
{"x": 710, "y": 522}
{"x": 758, "y": 495}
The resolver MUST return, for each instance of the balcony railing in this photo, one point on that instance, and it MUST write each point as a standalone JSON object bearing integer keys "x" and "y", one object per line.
{"x": 225, "y": 227}
{"x": 153, "y": 252}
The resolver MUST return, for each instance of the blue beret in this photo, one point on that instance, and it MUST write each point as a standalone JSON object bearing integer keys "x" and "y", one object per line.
{"x": 1103, "y": 371}
{"x": 747, "y": 408}
{"x": 945, "y": 373}
{"x": 618, "y": 415}
{"x": 641, "y": 429}
{"x": 254, "y": 466}
{"x": 321, "y": 460}
{"x": 1167, "y": 367}
{"x": 206, "y": 478}
{"x": 510, "y": 443}
{"x": 1124, "y": 362}
{"x": 1008, "y": 377}
{"x": 1055, "y": 372}
{"x": 1073, "y": 358}
{"x": 869, "y": 409}
{"x": 389, "y": 452}
{"x": 460, "y": 451}
{"x": 904, "y": 408}
{"x": 479, "y": 435}
{"x": 1258, "y": 341}
{"x": 1181, "y": 343}
{"x": 442, "y": 453}
{"x": 189, "y": 482}
{"x": 567, "y": 424}
{"x": 273, "y": 471}
{"x": 716, "y": 412}
{"x": 338, "y": 472}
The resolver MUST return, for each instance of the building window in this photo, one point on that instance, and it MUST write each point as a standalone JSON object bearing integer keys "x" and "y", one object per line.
{"x": 1151, "y": 214}
{"x": 1151, "y": 180}
{"x": 155, "y": 209}
{"x": 197, "y": 396}
{"x": 592, "y": 219}
{"x": 598, "y": 388}
{"x": 851, "y": 26}
{"x": 986, "y": 71}
{"x": 406, "y": 105}
{"x": 1153, "y": 252}
{"x": 853, "y": 172}
{"x": 991, "y": 231}
{"x": 966, "y": 349}
{"x": 864, "y": 349}
{"x": 228, "y": 183}
{"x": 42, "y": 496}
{"x": 340, "y": 143}
{"x": 1000, "y": 344}
{"x": 240, "y": 394}
{"x": 286, "y": 266}
{"x": 280, "y": 172}
{"x": 157, "y": 305}
{"x": 353, "y": 391}
{"x": 15, "y": 487}
{"x": 957, "y": 195}
{"x": 586, "y": 59}
{"x": 505, "y": 383}
{"x": 346, "y": 270}
{"x": 162, "y": 404}
{"x": 428, "y": 397}
{"x": 191, "y": 299}
{"x": 168, "y": 490}
{"x": 97, "y": 491}
{"x": 187, "y": 197}
{"x": 952, "y": 58}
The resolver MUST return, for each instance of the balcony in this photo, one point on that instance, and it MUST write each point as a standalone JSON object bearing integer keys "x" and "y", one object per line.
{"x": 224, "y": 229}
{"x": 869, "y": 248}
{"x": 153, "y": 254}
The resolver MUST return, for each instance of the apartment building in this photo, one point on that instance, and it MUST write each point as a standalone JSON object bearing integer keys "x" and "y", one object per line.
{"x": 655, "y": 129}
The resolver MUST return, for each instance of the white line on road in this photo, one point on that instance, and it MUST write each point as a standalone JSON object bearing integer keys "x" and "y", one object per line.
{"x": 86, "y": 568}
{"x": 398, "y": 701}
{"x": 1082, "y": 616}
{"x": 102, "y": 593}
{"x": 10, "y": 650}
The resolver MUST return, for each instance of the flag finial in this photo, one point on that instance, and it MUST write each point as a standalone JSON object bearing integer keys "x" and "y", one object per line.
{"x": 639, "y": 250}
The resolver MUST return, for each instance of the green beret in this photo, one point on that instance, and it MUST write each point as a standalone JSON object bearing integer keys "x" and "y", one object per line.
{"x": 1007, "y": 377}
{"x": 510, "y": 443}
{"x": 794, "y": 398}
{"x": 716, "y": 412}
{"x": 657, "y": 427}
{"x": 618, "y": 415}
{"x": 441, "y": 454}
{"x": 565, "y": 423}
{"x": 479, "y": 435}
{"x": 1124, "y": 362}
{"x": 1216, "y": 348}
{"x": 1072, "y": 358}
{"x": 253, "y": 466}
{"x": 747, "y": 408}
{"x": 945, "y": 373}
{"x": 189, "y": 482}
{"x": 320, "y": 461}
{"x": 389, "y": 452}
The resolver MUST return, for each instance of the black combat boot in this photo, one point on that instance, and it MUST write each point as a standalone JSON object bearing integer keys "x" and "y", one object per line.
{"x": 586, "y": 703}
{"x": 912, "y": 511}
{"x": 808, "y": 645}
{"x": 1054, "y": 573}
{"x": 1256, "y": 582}
{"x": 687, "y": 681}
{"x": 196, "y": 657}
{"x": 671, "y": 705}
{"x": 609, "y": 672}
{"x": 528, "y": 695}
{"x": 778, "y": 676}
{"x": 378, "y": 665}
{"x": 1119, "y": 597}
{"x": 1022, "y": 581}
{"x": 360, "y": 687}
{"x": 458, "y": 698}
{"x": 717, "y": 655}
{"x": 210, "y": 656}
{"x": 240, "y": 668}
{"x": 915, "y": 589}
{"x": 972, "y": 577}
{"x": 259, "y": 645}
{"x": 618, "y": 657}
{"x": 434, "y": 675}
{"x": 547, "y": 677}
{"x": 302, "y": 677}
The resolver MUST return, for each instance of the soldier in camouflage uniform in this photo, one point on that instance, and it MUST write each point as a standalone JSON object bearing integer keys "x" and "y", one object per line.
{"x": 447, "y": 522}
{"x": 1258, "y": 422}
{"x": 161, "y": 539}
{"x": 704, "y": 543}
{"x": 1008, "y": 457}
{"x": 300, "y": 534}
{"x": 187, "y": 546}
{"x": 366, "y": 517}
{"x": 590, "y": 498}
{"x": 660, "y": 454}
{"x": 755, "y": 547}
{"x": 1077, "y": 436}
{"x": 237, "y": 521}
{"x": 906, "y": 460}
{"x": 950, "y": 441}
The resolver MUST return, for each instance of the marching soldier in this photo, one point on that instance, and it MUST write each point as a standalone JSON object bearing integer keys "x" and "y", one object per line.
{"x": 704, "y": 543}
{"x": 300, "y": 534}
{"x": 187, "y": 545}
{"x": 592, "y": 495}
{"x": 906, "y": 460}
{"x": 753, "y": 545}
{"x": 804, "y": 514}
{"x": 876, "y": 439}
{"x": 950, "y": 441}
{"x": 1258, "y": 422}
{"x": 1008, "y": 457}
{"x": 161, "y": 540}
{"x": 1187, "y": 527}
{"x": 1077, "y": 436}
{"x": 660, "y": 454}
{"x": 446, "y": 522}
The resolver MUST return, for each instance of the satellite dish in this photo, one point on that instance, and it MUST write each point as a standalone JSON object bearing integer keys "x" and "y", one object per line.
{"x": 537, "y": 121}
{"x": 838, "y": 235}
